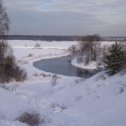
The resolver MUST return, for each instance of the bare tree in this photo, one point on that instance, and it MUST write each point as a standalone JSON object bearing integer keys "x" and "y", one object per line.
{"x": 4, "y": 27}
{"x": 73, "y": 50}
{"x": 4, "y": 20}
{"x": 8, "y": 68}
{"x": 89, "y": 47}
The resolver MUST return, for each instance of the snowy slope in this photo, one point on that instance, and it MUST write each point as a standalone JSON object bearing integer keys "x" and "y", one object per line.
{"x": 97, "y": 101}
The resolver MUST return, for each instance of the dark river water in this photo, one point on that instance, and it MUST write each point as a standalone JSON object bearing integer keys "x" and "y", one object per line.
{"x": 62, "y": 66}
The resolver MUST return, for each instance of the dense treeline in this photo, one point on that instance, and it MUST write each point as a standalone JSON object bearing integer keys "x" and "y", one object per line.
{"x": 56, "y": 38}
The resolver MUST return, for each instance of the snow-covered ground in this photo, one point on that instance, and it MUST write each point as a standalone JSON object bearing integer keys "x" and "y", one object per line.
{"x": 91, "y": 66}
{"x": 97, "y": 101}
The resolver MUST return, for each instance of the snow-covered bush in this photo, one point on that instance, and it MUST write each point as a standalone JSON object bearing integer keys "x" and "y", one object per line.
{"x": 57, "y": 107}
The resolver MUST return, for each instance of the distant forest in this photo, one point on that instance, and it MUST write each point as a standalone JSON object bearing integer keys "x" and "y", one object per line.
{"x": 57, "y": 38}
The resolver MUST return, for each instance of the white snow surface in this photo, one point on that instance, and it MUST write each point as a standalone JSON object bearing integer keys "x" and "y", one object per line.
{"x": 91, "y": 66}
{"x": 96, "y": 101}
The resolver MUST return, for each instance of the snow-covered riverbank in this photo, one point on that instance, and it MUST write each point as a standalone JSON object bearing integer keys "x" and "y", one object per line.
{"x": 90, "y": 66}
{"x": 97, "y": 101}
{"x": 26, "y": 53}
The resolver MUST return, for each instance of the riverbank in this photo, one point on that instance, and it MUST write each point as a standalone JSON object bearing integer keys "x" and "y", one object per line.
{"x": 90, "y": 66}
{"x": 27, "y": 53}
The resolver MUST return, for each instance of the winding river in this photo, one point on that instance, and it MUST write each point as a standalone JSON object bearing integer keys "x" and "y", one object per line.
{"x": 62, "y": 65}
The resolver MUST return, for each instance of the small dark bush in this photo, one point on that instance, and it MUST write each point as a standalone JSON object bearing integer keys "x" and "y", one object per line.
{"x": 54, "y": 80}
{"x": 20, "y": 74}
{"x": 37, "y": 45}
{"x": 30, "y": 55}
{"x": 32, "y": 119}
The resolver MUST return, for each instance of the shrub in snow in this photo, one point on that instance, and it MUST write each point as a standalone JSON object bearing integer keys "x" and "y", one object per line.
{"x": 9, "y": 70}
{"x": 32, "y": 119}
{"x": 20, "y": 74}
{"x": 45, "y": 75}
{"x": 57, "y": 107}
{"x": 30, "y": 55}
{"x": 114, "y": 59}
{"x": 54, "y": 80}
{"x": 37, "y": 45}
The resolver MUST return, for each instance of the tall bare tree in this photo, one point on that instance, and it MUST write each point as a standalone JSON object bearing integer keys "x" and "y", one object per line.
{"x": 8, "y": 68}
{"x": 4, "y": 20}
{"x": 89, "y": 46}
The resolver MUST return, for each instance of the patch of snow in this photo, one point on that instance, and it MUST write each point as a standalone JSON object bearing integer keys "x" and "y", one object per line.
{"x": 91, "y": 66}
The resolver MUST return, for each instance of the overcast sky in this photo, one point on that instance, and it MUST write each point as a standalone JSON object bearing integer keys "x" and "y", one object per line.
{"x": 67, "y": 17}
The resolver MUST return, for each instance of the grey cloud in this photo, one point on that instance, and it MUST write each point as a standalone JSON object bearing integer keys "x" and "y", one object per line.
{"x": 54, "y": 23}
{"x": 66, "y": 16}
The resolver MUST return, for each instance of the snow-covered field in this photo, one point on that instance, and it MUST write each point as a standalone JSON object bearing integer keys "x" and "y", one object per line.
{"x": 97, "y": 101}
